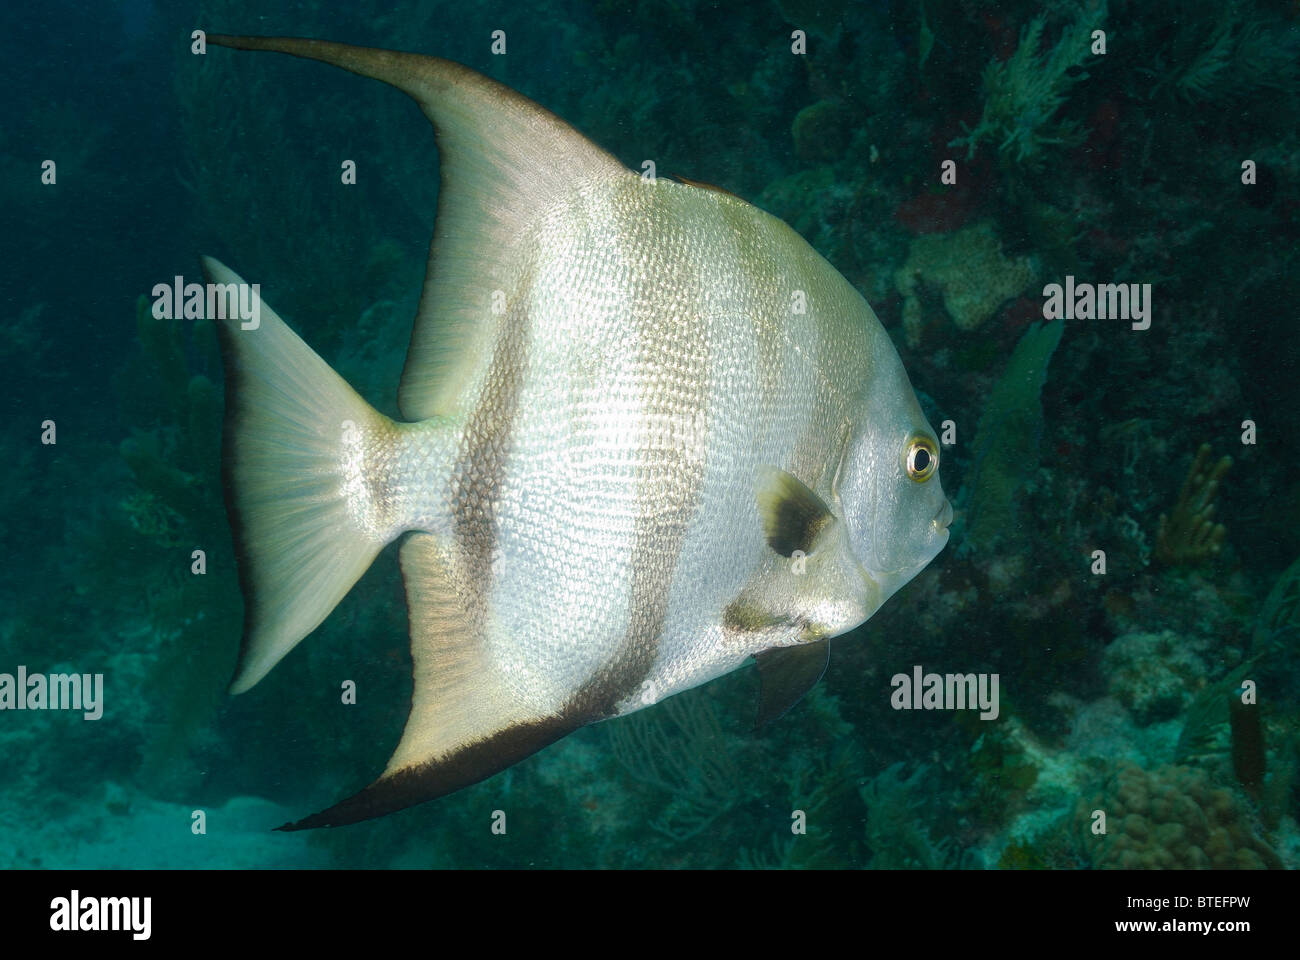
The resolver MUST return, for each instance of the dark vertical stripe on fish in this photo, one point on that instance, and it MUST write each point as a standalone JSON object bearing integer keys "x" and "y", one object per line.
{"x": 672, "y": 461}
{"x": 480, "y": 465}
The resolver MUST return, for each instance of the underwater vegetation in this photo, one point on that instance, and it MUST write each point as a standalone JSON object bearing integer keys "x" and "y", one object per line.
{"x": 1121, "y": 691}
{"x": 1024, "y": 94}
{"x": 1007, "y": 438}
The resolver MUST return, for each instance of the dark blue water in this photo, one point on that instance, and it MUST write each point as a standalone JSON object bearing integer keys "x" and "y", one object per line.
{"x": 1155, "y": 683}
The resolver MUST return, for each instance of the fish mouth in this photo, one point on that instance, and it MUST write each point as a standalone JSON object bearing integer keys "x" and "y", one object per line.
{"x": 944, "y": 517}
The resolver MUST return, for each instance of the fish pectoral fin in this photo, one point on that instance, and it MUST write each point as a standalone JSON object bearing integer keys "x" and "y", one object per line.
{"x": 465, "y": 724}
{"x": 785, "y": 674}
{"x": 793, "y": 516}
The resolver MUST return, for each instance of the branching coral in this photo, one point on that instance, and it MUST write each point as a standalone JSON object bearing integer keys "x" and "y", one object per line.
{"x": 824, "y": 789}
{"x": 1205, "y": 718}
{"x": 1188, "y": 534}
{"x": 1278, "y": 624}
{"x": 1237, "y": 55}
{"x": 897, "y": 838}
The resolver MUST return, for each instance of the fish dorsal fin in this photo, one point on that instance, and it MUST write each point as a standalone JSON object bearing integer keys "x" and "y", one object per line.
{"x": 464, "y": 723}
{"x": 785, "y": 674}
{"x": 504, "y": 161}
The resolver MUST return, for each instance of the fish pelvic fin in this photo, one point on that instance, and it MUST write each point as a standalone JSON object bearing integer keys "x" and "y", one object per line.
{"x": 504, "y": 162}
{"x": 785, "y": 674}
{"x": 465, "y": 724}
{"x": 297, "y": 446}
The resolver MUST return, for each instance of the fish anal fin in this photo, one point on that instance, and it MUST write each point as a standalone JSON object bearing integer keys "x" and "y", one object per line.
{"x": 465, "y": 724}
{"x": 786, "y": 674}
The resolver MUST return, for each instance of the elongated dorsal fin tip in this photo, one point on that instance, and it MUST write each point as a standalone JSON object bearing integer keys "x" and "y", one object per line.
{"x": 505, "y": 160}
{"x": 702, "y": 185}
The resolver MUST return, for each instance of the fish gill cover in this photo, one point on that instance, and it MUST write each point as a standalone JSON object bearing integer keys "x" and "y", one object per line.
{"x": 1133, "y": 596}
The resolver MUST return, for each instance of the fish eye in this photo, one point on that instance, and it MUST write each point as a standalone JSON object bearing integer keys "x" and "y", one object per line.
{"x": 922, "y": 458}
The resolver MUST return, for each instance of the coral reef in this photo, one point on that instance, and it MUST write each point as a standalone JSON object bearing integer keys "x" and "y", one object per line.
{"x": 968, "y": 269}
{"x": 1172, "y": 817}
{"x": 898, "y": 839}
{"x": 681, "y": 751}
{"x": 822, "y": 790}
{"x": 1156, "y": 675}
{"x": 1228, "y": 57}
{"x": 1278, "y": 625}
{"x": 820, "y": 132}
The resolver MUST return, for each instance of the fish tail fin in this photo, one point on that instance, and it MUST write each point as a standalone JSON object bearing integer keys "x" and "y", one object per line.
{"x": 296, "y": 443}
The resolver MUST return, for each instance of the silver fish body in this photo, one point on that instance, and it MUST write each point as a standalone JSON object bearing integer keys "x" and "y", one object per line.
{"x": 653, "y": 434}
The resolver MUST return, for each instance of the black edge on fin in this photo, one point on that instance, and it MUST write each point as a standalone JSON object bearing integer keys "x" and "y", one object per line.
{"x": 785, "y": 674}
{"x": 428, "y": 781}
{"x": 461, "y": 728}
{"x": 792, "y": 514}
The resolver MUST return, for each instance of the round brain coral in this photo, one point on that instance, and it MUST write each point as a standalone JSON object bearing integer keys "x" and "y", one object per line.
{"x": 1172, "y": 818}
